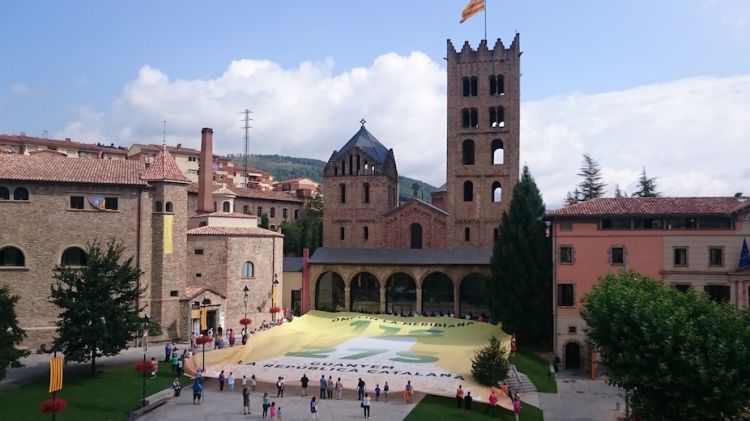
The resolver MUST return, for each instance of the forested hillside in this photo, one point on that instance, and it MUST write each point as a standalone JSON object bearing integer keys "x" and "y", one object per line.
{"x": 285, "y": 167}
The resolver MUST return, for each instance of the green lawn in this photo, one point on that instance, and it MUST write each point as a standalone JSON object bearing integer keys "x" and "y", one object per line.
{"x": 105, "y": 396}
{"x": 537, "y": 368}
{"x": 437, "y": 407}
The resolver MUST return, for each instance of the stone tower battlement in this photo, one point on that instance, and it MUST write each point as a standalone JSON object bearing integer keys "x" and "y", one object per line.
{"x": 482, "y": 52}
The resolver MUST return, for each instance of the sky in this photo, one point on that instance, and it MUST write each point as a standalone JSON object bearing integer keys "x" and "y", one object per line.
{"x": 636, "y": 84}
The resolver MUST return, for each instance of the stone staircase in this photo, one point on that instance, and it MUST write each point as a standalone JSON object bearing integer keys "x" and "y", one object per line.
{"x": 519, "y": 382}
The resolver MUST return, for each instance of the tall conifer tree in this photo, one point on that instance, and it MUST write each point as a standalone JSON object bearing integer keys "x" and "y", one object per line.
{"x": 591, "y": 187}
{"x": 520, "y": 291}
{"x": 646, "y": 186}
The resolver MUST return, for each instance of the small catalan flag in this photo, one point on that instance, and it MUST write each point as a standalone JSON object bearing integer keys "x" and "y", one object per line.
{"x": 471, "y": 9}
{"x": 55, "y": 373}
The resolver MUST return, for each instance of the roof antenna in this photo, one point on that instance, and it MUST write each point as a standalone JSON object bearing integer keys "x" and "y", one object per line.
{"x": 164, "y": 135}
{"x": 363, "y": 121}
{"x": 247, "y": 127}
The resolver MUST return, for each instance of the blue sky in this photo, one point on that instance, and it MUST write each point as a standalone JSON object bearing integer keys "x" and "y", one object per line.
{"x": 68, "y": 63}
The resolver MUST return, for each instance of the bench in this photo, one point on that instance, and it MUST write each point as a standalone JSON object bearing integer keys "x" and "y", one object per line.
{"x": 152, "y": 402}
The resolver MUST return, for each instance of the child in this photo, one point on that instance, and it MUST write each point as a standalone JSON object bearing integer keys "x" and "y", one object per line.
{"x": 385, "y": 391}
{"x": 272, "y": 412}
{"x": 377, "y": 393}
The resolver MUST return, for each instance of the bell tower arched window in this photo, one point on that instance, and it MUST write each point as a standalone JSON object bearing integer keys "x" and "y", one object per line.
{"x": 497, "y": 152}
{"x": 467, "y": 149}
{"x": 497, "y": 192}
{"x": 497, "y": 117}
{"x": 468, "y": 191}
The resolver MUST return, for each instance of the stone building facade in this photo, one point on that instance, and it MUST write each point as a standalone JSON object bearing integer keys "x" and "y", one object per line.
{"x": 377, "y": 252}
{"x": 52, "y": 207}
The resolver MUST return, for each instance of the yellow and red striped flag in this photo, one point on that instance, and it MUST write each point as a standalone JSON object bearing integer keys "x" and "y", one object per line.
{"x": 55, "y": 373}
{"x": 204, "y": 317}
{"x": 471, "y": 9}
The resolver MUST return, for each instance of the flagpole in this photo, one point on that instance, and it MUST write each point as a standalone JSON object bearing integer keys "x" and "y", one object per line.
{"x": 485, "y": 19}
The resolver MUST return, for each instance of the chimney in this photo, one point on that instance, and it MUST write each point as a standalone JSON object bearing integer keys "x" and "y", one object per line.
{"x": 205, "y": 172}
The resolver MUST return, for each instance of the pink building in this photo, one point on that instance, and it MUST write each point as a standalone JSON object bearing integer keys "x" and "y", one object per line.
{"x": 684, "y": 241}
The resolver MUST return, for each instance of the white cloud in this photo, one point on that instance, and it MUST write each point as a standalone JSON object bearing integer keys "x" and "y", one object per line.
{"x": 20, "y": 88}
{"x": 691, "y": 134}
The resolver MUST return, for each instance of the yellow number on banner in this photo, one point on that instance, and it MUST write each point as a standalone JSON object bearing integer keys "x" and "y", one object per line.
{"x": 411, "y": 357}
{"x": 312, "y": 353}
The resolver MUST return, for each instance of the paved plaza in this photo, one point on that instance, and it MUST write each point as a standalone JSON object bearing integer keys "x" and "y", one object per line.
{"x": 227, "y": 405}
{"x": 579, "y": 398}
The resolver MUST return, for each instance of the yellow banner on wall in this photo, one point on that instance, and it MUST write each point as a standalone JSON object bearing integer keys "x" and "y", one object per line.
{"x": 204, "y": 317}
{"x": 168, "y": 222}
{"x": 434, "y": 353}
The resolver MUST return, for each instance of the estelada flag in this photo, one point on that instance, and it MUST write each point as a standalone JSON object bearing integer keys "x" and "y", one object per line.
{"x": 55, "y": 373}
{"x": 744, "y": 256}
{"x": 471, "y": 9}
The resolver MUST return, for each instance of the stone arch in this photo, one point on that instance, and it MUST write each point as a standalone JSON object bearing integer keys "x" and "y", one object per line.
{"x": 12, "y": 256}
{"x": 4, "y": 193}
{"x": 572, "y": 354}
{"x": 364, "y": 293}
{"x": 21, "y": 193}
{"x": 73, "y": 256}
{"x": 415, "y": 234}
{"x": 329, "y": 292}
{"x": 498, "y": 153}
{"x": 471, "y": 295}
{"x": 437, "y": 293}
{"x": 497, "y": 192}
{"x": 400, "y": 294}
{"x": 467, "y": 152}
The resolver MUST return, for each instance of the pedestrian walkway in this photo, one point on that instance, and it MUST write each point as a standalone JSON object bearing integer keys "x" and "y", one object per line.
{"x": 228, "y": 405}
{"x": 579, "y": 398}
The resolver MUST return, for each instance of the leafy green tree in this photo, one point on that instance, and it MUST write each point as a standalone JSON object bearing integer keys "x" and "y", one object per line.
{"x": 591, "y": 186}
{"x": 12, "y": 335}
{"x": 646, "y": 186}
{"x": 678, "y": 356}
{"x": 292, "y": 239}
{"x": 520, "y": 291}
{"x": 264, "y": 221}
{"x": 98, "y": 303}
{"x": 490, "y": 364}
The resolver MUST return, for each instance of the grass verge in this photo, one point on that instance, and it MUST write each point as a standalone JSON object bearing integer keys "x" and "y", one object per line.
{"x": 537, "y": 368}
{"x": 442, "y": 408}
{"x": 104, "y": 396}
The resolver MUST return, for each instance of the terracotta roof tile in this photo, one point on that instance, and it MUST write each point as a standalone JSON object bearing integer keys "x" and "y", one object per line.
{"x": 233, "y": 231}
{"x": 22, "y": 139}
{"x": 164, "y": 169}
{"x": 253, "y": 193}
{"x": 632, "y": 206}
{"x": 45, "y": 167}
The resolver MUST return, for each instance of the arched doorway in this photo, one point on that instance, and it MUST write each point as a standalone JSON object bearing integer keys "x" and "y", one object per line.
{"x": 365, "y": 293}
{"x": 400, "y": 294}
{"x": 437, "y": 294}
{"x": 471, "y": 296}
{"x": 572, "y": 355}
{"x": 329, "y": 292}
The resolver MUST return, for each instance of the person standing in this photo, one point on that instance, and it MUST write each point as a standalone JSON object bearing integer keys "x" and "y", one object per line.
{"x": 222, "y": 379}
{"x": 272, "y": 411}
{"x": 504, "y": 389}
{"x": 231, "y": 337}
{"x": 230, "y": 381}
{"x": 377, "y": 392}
{"x": 314, "y": 409}
{"x": 360, "y": 389}
{"x": 329, "y": 387}
{"x": 516, "y": 407}
{"x": 278, "y": 387}
{"x": 245, "y": 401}
{"x": 199, "y": 376}
{"x": 386, "y": 389}
{"x": 167, "y": 352}
{"x": 467, "y": 401}
{"x": 244, "y": 381}
{"x": 282, "y": 387}
{"x": 304, "y": 381}
{"x": 493, "y": 403}
{"x": 366, "y": 405}
{"x": 197, "y": 391}
{"x": 154, "y": 367}
{"x": 266, "y": 404}
{"x": 323, "y": 387}
{"x": 408, "y": 392}
{"x": 253, "y": 383}
{"x": 180, "y": 367}
{"x": 460, "y": 396}
{"x": 339, "y": 388}
{"x": 175, "y": 359}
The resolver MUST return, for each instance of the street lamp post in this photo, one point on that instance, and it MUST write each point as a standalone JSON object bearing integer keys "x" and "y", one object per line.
{"x": 145, "y": 349}
{"x": 204, "y": 304}
{"x": 273, "y": 297}
{"x": 246, "y": 290}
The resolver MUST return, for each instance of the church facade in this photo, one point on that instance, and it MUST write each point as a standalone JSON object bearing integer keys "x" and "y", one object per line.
{"x": 379, "y": 255}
